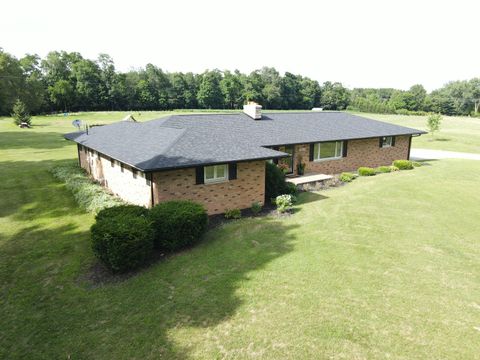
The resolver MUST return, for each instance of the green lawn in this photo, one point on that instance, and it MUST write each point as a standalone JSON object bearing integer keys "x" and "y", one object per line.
{"x": 385, "y": 267}
{"x": 456, "y": 133}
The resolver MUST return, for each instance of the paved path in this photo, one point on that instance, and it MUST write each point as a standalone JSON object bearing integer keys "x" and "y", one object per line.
{"x": 427, "y": 154}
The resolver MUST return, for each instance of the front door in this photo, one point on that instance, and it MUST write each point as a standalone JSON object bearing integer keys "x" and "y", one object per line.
{"x": 288, "y": 160}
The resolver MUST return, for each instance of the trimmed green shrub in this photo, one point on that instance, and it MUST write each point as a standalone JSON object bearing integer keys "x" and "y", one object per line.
{"x": 383, "y": 169}
{"x": 275, "y": 183}
{"x": 178, "y": 224}
{"x": 291, "y": 188}
{"x": 366, "y": 171}
{"x": 346, "y": 177}
{"x": 403, "y": 164}
{"x": 122, "y": 243}
{"x": 256, "y": 207}
{"x": 122, "y": 210}
{"x": 394, "y": 168}
{"x": 284, "y": 202}
{"x": 89, "y": 195}
{"x": 233, "y": 214}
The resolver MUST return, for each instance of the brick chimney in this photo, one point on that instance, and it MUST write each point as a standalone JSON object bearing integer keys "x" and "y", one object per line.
{"x": 253, "y": 110}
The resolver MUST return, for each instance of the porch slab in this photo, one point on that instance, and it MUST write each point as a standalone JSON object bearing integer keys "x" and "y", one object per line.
{"x": 309, "y": 178}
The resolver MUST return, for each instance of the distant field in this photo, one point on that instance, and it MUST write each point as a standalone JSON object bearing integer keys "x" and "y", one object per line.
{"x": 456, "y": 134}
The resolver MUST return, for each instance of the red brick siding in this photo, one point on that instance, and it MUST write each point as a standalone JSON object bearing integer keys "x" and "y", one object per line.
{"x": 364, "y": 152}
{"x": 217, "y": 198}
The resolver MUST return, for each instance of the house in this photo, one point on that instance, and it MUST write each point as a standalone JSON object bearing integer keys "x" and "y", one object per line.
{"x": 219, "y": 159}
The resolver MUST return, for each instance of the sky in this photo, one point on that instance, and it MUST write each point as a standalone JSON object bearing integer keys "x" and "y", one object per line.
{"x": 361, "y": 43}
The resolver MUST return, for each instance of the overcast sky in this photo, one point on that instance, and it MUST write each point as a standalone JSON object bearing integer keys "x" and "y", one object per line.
{"x": 361, "y": 43}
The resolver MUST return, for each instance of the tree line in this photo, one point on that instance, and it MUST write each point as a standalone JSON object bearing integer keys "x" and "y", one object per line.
{"x": 66, "y": 81}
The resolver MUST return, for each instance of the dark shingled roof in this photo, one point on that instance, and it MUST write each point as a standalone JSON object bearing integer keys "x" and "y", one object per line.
{"x": 189, "y": 140}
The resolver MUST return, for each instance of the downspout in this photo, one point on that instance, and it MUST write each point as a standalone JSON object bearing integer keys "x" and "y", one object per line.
{"x": 78, "y": 154}
{"x": 152, "y": 199}
{"x": 409, "y": 146}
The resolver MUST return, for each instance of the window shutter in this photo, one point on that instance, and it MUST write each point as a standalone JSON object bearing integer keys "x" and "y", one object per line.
{"x": 393, "y": 140}
{"x": 232, "y": 171}
{"x": 312, "y": 146}
{"x": 199, "y": 175}
{"x": 344, "y": 148}
{"x": 380, "y": 141}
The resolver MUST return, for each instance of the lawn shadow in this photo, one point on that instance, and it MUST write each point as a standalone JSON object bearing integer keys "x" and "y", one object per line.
{"x": 31, "y": 186}
{"x": 197, "y": 288}
{"x": 306, "y": 197}
{"x": 59, "y": 316}
{"x": 28, "y": 139}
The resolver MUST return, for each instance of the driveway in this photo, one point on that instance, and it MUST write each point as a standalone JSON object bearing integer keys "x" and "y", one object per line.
{"x": 427, "y": 154}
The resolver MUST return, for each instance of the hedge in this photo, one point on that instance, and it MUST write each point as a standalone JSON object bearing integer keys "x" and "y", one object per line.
{"x": 178, "y": 224}
{"x": 89, "y": 195}
{"x": 122, "y": 242}
{"x": 403, "y": 164}
{"x": 366, "y": 171}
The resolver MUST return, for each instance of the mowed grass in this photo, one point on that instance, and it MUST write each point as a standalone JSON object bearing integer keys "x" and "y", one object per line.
{"x": 385, "y": 267}
{"x": 457, "y": 133}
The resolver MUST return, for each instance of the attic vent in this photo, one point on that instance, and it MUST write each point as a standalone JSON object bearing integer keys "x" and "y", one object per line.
{"x": 253, "y": 110}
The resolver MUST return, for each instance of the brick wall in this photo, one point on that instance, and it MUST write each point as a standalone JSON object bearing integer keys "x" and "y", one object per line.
{"x": 135, "y": 190}
{"x": 364, "y": 152}
{"x": 233, "y": 194}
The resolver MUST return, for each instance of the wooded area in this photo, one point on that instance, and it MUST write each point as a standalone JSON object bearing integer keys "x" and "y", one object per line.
{"x": 64, "y": 81}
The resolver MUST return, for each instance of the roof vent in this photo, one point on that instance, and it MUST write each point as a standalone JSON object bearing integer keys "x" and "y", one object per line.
{"x": 317, "y": 109}
{"x": 253, "y": 110}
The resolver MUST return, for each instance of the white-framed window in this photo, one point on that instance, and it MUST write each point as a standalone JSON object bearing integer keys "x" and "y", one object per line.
{"x": 215, "y": 173}
{"x": 387, "y": 141}
{"x": 327, "y": 150}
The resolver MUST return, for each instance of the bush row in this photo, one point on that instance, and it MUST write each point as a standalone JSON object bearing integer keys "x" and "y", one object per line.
{"x": 89, "y": 195}
{"x": 124, "y": 236}
{"x": 367, "y": 171}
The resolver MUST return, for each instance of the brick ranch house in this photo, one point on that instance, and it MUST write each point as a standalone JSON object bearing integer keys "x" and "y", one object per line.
{"x": 219, "y": 160}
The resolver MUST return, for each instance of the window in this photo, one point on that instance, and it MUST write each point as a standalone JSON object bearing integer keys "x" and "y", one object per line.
{"x": 387, "y": 141}
{"x": 327, "y": 150}
{"x": 216, "y": 173}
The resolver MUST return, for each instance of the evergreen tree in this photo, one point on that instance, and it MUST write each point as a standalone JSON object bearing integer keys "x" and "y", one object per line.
{"x": 20, "y": 113}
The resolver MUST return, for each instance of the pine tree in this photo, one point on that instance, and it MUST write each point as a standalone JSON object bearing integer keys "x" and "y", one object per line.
{"x": 20, "y": 113}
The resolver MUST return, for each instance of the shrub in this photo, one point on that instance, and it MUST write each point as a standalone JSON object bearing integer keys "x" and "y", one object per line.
{"x": 366, "y": 171}
{"x": 233, "y": 214}
{"x": 394, "y": 168}
{"x": 122, "y": 210}
{"x": 346, "y": 177}
{"x": 256, "y": 207}
{"x": 383, "y": 169}
{"x": 284, "y": 202}
{"x": 290, "y": 188}
{"x": 122, "y": 243}
{"x": 20, "y": 113}
{"x": 89, "y": 195}
{"x": 177, "y": 224}
{"x": 275, "y": 183}
{"x": 403, "y": 164}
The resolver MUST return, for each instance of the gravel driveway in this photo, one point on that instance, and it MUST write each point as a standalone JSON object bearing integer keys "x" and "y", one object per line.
{"x": 427, "y": 154}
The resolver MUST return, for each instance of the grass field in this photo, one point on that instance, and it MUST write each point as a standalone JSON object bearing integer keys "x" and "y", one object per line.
{"x": 456, "y": 133}
{"x": 386, "y": 267}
